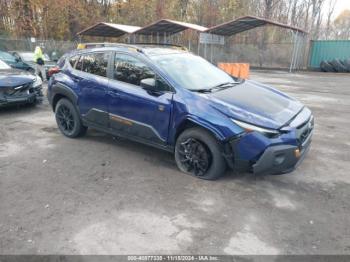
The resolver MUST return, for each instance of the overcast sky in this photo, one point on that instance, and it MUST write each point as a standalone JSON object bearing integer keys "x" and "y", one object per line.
{"x": 340, "y": 6}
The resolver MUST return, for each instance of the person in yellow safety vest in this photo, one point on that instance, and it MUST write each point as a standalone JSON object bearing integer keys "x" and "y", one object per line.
{"x": 39, "y": 61}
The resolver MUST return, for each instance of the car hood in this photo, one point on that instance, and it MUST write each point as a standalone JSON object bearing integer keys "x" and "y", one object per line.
{"x": 13, "y": 77}
{"x": 255, "y": 103}
{"x": 19, "y": 64}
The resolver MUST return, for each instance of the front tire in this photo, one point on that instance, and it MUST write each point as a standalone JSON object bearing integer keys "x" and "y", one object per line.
{"x": 68, "y": 119}
{"x": 199, "y": 154}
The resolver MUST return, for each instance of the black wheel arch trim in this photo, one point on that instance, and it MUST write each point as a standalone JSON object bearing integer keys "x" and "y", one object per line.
{"x": 202, "y": 124}
{"x": 59, "y": 89}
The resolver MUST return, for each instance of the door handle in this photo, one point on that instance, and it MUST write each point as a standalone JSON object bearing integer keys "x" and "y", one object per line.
{"x": 161, "y": 108}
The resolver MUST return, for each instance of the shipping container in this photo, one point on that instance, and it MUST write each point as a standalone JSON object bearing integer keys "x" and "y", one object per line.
{"x": 328, "y": 50}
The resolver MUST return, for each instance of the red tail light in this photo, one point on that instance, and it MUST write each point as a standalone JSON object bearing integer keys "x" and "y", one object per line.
{"x": 54, "y": 70}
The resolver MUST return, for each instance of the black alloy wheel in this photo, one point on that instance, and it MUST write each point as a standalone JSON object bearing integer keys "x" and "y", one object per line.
{"x": 194, "y": 157}
{"x": 198, "y": 153}
{"x": 68, "y": 119}
{"x": 65, "y": 119}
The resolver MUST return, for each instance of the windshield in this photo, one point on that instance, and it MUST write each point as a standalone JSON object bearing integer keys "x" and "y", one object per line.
{"x": 7, "y": 57}
{"x": 192, "y": 72}
{"x": 3, "y": 65}
{"x": 29, "y": 56}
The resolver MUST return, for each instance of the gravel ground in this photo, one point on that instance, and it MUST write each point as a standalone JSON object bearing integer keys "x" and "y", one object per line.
{"x": 99, "y": 195}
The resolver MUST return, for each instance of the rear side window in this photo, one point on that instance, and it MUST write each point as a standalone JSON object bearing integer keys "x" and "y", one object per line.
{"x": 73, "y": 60}
{"x": 62, "y": 61}
{"x": 79, "y": 65}
{"x": 93, "y": 63}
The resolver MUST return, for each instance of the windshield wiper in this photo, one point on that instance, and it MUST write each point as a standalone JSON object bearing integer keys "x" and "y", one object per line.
{"x": 225, "y": 85}
{"x": 219, "y": 86}
{"x": 203, "y": 90}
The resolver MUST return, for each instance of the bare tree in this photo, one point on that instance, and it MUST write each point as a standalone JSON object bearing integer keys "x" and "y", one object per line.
{"x": 183, "y": 8}
{"x": 342, "y": 25}
{"x": 330, "y": 12}
{"x": 316, "y": 17}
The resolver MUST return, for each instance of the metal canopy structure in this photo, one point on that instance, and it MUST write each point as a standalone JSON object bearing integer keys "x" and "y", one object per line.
{"x": 246, "y": 23}
{"x": 168, "y": 27}
{"x": 165, "y": 30}
{"x": 109, "y": 30}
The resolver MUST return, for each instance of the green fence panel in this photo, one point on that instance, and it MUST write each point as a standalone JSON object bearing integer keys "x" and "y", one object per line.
{"x": 328, "y": 50}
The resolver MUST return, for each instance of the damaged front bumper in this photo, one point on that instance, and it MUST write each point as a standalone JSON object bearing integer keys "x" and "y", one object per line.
{"x": 281, "y": 159}
{"x": 29, "y": 95}
{"x": 260, "y": 155}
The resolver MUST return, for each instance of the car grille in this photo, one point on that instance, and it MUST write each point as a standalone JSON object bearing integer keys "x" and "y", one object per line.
{"x": 17, "y": 91}
{"x": 304, "y": 131}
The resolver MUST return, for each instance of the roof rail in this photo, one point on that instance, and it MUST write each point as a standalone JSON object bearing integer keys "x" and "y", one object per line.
{"x": 134, "y": 45}
{"x": 102, "y": 44}
{"x": 162, "y": 44}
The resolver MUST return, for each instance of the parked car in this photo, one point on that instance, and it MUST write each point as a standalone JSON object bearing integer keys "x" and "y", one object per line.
{"x": 179, "y": 102}
{"x": 18, "y": 86}
{"x": 14, "y": 62}
{"x": 28, "y": 57}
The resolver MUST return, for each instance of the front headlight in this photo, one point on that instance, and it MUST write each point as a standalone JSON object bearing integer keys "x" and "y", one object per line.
{"x": 250, "y": 128}
{"x": 37, "y": 82}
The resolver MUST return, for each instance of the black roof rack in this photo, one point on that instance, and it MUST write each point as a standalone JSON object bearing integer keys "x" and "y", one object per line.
{"x": 134, "y": 45}
{"x": 101, "y": 44}
{"x": 161, "y": 44}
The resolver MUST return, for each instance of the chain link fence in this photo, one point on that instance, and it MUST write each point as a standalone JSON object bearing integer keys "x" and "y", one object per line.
{"x": 277, "y": 55}
{"x": 273, "y": 55}
{"x": 49, "y": 46}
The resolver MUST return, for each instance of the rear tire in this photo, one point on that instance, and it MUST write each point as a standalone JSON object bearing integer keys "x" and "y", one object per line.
{"x": 346, "y": 63}
{"x": 338, "y": 66}
{"x": 68, "y": 119}
{"x": 199, "y": 154}
{"x": 326, "y": 67}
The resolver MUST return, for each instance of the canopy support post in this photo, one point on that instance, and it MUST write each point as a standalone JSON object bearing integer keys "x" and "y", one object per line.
{"x": 293, "y": 52}
{"x": 198, "y": 47}
{"x": 211, "y": 53}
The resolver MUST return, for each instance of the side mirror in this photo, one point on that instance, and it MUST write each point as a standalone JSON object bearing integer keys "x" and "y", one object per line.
{"x": 148, "y": 84}
{"x": 17, "y": 59}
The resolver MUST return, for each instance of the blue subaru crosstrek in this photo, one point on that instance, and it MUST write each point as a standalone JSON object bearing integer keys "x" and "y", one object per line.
{"x": 171, "y": 99}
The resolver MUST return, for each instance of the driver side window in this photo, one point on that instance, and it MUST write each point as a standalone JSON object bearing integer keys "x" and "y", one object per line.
{"x": 130, "y": 70}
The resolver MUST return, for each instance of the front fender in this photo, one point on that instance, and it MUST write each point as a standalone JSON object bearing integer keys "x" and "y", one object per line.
{"x": 192, "y": 108}
{"x": 59, "y": 89}
{"x": 222, "y": 131}
{"x": 219, "y": 134}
